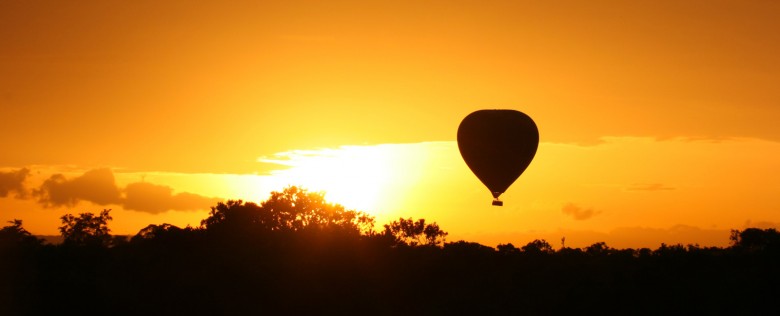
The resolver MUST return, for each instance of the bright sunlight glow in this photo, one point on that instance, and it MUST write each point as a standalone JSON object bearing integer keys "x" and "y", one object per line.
{"x": 358, "y": 177}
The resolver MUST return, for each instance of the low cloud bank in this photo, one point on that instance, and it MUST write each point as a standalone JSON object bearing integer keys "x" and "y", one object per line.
{"x": 98, "y": 186}
{"x": 153, "y": 198}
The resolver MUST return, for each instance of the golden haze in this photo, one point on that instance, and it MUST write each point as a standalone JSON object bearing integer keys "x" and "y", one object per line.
{"x": 657, "y": 120}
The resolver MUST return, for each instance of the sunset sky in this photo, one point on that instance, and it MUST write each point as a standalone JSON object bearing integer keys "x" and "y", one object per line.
{"x": 659, "y": 121}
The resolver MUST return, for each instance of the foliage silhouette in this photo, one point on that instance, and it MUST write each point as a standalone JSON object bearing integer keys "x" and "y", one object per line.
{"x": 756, "y": 240}
{"x": 295, "y": 254}
{"x": 15, "y": 235}
{"x": 293, "y": 209}
{"x": 598, "y": 249}
{"x": 158, "y": 232}
{"x": 87, "y": 229}
{"x": 18, "y": 253}
{"x": 412, "y": 233}
{"x": 538, "y": 246}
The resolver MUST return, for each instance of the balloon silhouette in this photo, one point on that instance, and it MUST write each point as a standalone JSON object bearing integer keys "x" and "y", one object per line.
{"x": 497, "y": 145}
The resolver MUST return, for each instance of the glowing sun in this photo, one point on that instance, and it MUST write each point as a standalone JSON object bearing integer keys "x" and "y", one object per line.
{"x": 358, "y": 177}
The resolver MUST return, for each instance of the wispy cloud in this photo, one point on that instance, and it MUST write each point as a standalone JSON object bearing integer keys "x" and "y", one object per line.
{"x": 579, "y": 213}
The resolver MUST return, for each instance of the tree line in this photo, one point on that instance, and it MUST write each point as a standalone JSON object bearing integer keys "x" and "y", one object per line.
{"x": 295, "y": 253}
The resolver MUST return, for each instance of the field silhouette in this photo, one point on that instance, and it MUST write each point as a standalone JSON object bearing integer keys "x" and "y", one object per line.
{"x": 297, "y": 254}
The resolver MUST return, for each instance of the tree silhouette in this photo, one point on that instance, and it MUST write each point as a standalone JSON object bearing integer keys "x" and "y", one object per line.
{"x": 293, "y": 209}
{"x": 236, "y": 215}
{"x": 295, "y": 253}
{"x": 18, "y": 268}
{"x": 538, "y": 246}
{"x": 413, "y": 233}
{"x": 16, "y": 235}
{"x": 755, "y": 239}
{"x": 87, "y": 229}
{"x": 161, "y": 233}
{"x": 598, "y": 249}
{"x": 507, "y": 249}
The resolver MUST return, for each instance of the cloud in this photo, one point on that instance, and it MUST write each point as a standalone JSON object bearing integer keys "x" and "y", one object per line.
{"x": 578, "y": 213}
{"x": 97, "y": 186}
{"x": 153, "y": 198}
{"x": 649, "y": 187}
{"x": 13, "y": 182}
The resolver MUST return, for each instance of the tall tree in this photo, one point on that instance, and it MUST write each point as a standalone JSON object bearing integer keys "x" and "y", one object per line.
{"x": 86, "y": 229}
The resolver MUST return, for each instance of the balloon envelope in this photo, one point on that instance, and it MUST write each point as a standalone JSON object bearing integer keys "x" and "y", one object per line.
{"x": 498, "y": 145}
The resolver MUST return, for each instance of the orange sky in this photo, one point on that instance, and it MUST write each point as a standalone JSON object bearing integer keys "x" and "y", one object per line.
{"x": 658, "y": 120}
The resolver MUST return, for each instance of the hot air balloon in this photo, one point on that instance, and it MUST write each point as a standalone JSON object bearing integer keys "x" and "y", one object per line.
{"x": 497, "y": 145}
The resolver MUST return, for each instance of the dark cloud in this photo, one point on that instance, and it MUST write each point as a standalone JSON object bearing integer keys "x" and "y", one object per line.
{"x": 649, "y": 187}
{"x": 13, "y": 182}
{"x": 152, "y": 198}
{"x": 577, "y": 212}
{"x": 97, "y": 186}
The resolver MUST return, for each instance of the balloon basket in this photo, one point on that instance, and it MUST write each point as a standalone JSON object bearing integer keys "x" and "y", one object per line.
{"x": 498, "y": 202}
